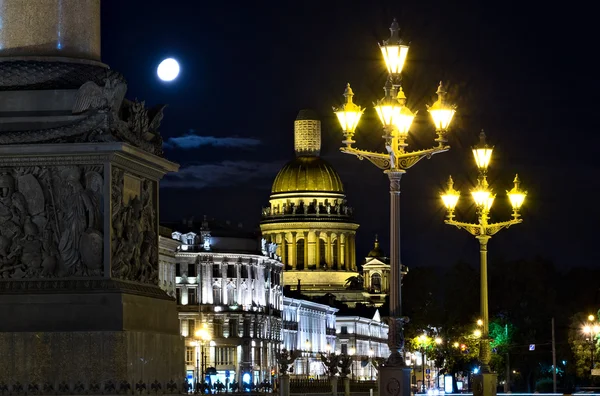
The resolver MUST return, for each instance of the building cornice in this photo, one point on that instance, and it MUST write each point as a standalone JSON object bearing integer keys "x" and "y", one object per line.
{"x": 318, "y": 225}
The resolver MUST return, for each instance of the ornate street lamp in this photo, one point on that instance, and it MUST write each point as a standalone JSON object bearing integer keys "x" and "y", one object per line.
{"x": 202, "y": 337}
{"x": 483, "y": 230}
{"x": 591, "y": 330}
{"x": 396, "y": 119}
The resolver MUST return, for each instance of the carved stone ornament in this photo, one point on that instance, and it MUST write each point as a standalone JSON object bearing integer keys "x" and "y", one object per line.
{"x": 105, "y": 116}
{"x": 134, "y": 238}
{"x": 51, "y": 222}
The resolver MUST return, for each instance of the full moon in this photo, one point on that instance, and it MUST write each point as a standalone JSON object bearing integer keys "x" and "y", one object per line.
{"x": 168, "y": 70}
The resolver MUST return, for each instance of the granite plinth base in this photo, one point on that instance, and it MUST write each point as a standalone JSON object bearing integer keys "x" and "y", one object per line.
{"x": 485, "y": 384}
{"x": 88, "y": 358}
{"x": 394, "y": 381}
{"x": 106, "y": 331}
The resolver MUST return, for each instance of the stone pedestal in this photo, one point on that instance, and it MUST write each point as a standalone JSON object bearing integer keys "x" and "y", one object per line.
{"x": 485, "y": 384}
{"x": 80, "y": 307}
{"x": 346, "y": 381}
{"x": 394, "y": 381}
{"x": 284, "y": 385}
{"x": 334, "y": 385}
{"x": 79, "y": 299}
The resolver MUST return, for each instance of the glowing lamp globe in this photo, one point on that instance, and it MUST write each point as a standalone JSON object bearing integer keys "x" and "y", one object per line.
{"x": 517, "y": 197}
{"x": 590, "y": 317}
{"x": 388, "y": 110}
{"x": 441, "y": 112}
{"x": 394, "y": 51}
{"x": 168, "y": 69}
{"x": 482, "y": 153}
{"x": 482, "y": 197}
{"x": 349, "y": 113}
{"x": 587, "y": 329}
{"x": 450, "y": 196}
{"x": 405, "y": 117}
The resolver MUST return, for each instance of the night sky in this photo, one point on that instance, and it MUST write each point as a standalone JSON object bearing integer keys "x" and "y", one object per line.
{"x": 523, "y": 72}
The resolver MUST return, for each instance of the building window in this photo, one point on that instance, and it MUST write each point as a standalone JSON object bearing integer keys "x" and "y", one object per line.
{"x": 217, "y": 328}
{"x": 217, "y": 300}
{"x": 344, "y": 330}
{"x": 234, "y": 327}
{"x": 178, "y": 295}
{"x": 224, "y": 355}
{"x": 216, "y": 270}
{"x": 177, "y": 269}
{"x": 192, "y": 327}
{"x": 192, "y": 296}
{"x": 231, "y": 295}
{"x": 190, "y": 240}
{"x": 344, "y": 349}
{"x": 191, "y": 270}
{"x": 246, "y": 328}
{"x": 300, "y": 253}
{"x": 376, "y": 282}
{"x": 189, "y": 355}
{"x": 322, "y": 252}
{"x": 231, "y": 272}
{"x": 335, "y": 245}
{"x": 244, "y": 271}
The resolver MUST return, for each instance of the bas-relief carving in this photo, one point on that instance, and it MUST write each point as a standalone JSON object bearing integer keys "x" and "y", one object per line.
{"x": 134, "y": 223}
{"x": 51, "y": 222}
{"x": 107, "y": 116}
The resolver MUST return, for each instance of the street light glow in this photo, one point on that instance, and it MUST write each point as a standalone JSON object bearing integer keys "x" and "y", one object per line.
{"x": 349, "y": 113}
{"x": 479, "y": 322}
{"x": 482, "y": 153}
{"x": 517, "y": 197}
{"x": 591, "y": 318}
{"x": 441, "y": 112}
{"x": 394, "y": 51}
{"x": 450, "y": 196}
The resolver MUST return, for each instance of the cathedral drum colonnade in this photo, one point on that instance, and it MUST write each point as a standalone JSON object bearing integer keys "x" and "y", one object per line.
{"x": 309, "y": 218}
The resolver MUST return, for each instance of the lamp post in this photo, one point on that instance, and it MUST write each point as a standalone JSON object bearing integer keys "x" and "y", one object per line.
{"x": 396, "y": 119}
{"x": 591, "y": 330}
{"x": 485, "y": 382}
{"x": 307, "y": 349}
{"x": 202, "y": 337}
{"x": 371, "y": 353}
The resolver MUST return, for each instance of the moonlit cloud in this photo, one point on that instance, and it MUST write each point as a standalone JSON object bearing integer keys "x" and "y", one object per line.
{"x": 192, "y": 140}
{"x": 222, "y": 174}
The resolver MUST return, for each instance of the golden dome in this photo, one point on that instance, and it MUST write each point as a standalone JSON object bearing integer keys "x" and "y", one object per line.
{"x": 307, "y": 173}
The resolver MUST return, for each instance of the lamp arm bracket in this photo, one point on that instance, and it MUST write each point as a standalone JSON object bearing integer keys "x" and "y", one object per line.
{"x": 471, "y": 228}
{"x": 380, "y": 160}
{"x": 492, "y": 229}
{"x": 401, "y": 161}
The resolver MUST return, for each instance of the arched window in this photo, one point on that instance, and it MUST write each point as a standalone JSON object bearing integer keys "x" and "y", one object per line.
{"x": 217, "y": 300}
{"x": 376, "y": 282}
{"x": 322, "y": 253}
{"x": 231, "y": 295}
{"x": 300, "y": 254}
{"x": 335, "y": 246}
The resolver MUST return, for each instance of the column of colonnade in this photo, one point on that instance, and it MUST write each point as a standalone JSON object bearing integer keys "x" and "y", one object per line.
{"x": 306, "y": 258}
{"x": 346, "y": 249}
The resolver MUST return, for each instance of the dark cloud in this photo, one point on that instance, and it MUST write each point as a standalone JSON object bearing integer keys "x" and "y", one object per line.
{"x": 220, "y": 174}
{"x": 192, "y": 140}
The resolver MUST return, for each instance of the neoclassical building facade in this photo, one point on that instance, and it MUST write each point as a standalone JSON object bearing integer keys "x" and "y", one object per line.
{"x": 364, "y": 339}
{"x": 308, "y": 217}
{"x": 230, "y": 285}
{"x": 309, "y": 327}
